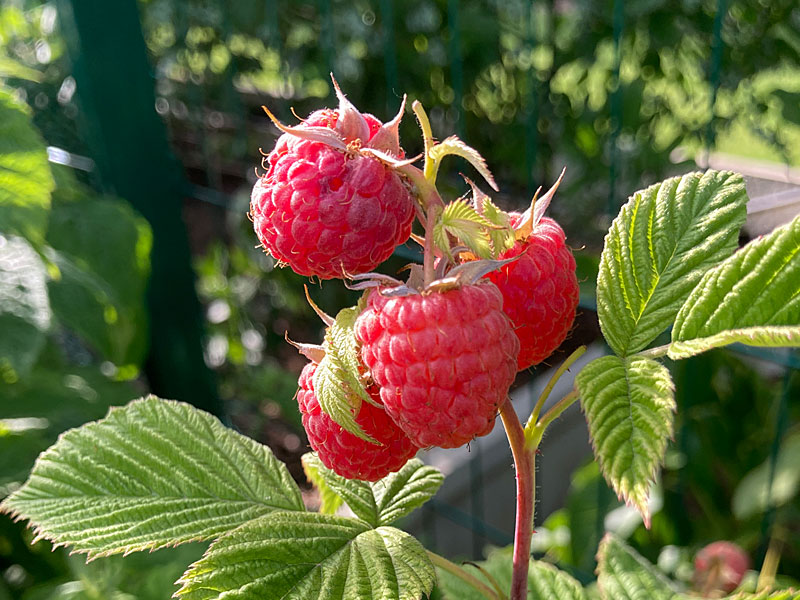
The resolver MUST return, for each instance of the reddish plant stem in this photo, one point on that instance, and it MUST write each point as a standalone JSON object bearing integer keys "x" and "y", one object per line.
{"x": 524, "y": 462}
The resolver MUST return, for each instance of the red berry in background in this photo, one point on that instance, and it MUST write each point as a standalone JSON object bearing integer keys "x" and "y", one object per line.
{"x": 540, "y": 290}
{"x": 719, "y": 567}
{"x": 345, "y": 453}
{"x": 324, "y": 207}
{"x": 443, "y": 360}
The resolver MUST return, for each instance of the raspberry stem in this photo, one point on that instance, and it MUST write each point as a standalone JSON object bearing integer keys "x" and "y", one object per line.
{"x": 534, "y": 435}
{"x": 525, "y": 464}
{"x": 454, "y": 569}
{"x": 428, "y": 256}
{"x": 534, "y": 418}
{"x": 656, "y": 352}
{"x": 431, "y": 166}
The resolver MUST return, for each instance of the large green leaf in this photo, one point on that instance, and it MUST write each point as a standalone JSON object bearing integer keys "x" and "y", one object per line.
{"x": 24, "y": 307}
{"x": 102, "y": 250}
{"x": 753, "y": 297}
{"x": 385, "y": 501}
{"x": 659, "y": 246}
{"x": 301, "y": 556}
{"x": 623, "y": 574}
{"x": 763, "y": 487}
{"x": 151, "y": 474}
{"x": 629, "y": 404}
{"x": 25, "y": 177}
{"x": 337, "y": 380}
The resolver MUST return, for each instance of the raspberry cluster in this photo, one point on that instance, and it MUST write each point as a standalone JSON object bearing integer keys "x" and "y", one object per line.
{"x": 436, "y": 354}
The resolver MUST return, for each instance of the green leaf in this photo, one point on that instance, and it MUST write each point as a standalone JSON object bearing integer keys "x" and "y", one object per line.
{"x": 293, "y": 555}
{"x": 102, "y": 250}
{"x": 545, "y": 581}
{"x": 590, "y": 499}
{"x": 779, "y": 595}
{"x": 337, "y": 379}
{"x": 398, "y": 494}
{"x": 753, "y": 297}
{"x": 463, "y": 221}
{"x": 154, "y": 473}
{"x": 453, "y": 145}
{"x": 657, "y": 249}
{"x": 754, "y": 494}
{"x": 385, "y": 501}
{"x": 25, "y": 177}
{"x": 24, "y": 307}
{"x": 622, "y": 574}
{"x": 330, "y": 501}
{"x": 628, "y": 405}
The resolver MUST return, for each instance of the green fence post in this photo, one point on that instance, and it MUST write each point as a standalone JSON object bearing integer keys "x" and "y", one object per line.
{"x": 129, "y": 145}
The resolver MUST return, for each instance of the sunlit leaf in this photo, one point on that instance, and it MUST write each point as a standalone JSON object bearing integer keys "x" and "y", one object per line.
{"x": 753, "y": 298}
{"x": 629, "y": 406}
{"x": 385, "y": 501}
{"x": 25, "y": 178}
{"x": 657, "y": 249}
{"x": 24, "y": 307}
{"x": 151, "y": 474}
{"x": 461, "y": 220}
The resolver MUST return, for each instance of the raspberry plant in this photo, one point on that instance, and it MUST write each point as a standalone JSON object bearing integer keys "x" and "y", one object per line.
{"x": 423, "y": 362}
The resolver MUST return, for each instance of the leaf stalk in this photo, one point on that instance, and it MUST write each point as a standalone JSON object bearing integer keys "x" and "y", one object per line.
{"x": 454, "y": 569}
{"x": 551, "y": 384}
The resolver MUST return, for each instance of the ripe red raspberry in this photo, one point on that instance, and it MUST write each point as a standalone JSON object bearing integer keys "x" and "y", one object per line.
{"x": 540, "y": 290}
{"x": 443, "y": 360}
{"x": 340, "y": 450}
{"x": 323, "y": 207}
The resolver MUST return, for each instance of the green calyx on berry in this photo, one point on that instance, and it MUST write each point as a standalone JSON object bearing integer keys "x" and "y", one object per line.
{"x": 531, "y": 217}
{"x": 340, "y": 379}
{"x": 448, "y": 277}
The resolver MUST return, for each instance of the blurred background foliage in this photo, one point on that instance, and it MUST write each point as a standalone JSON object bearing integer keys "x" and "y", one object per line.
{"x": 623, "y": 94}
